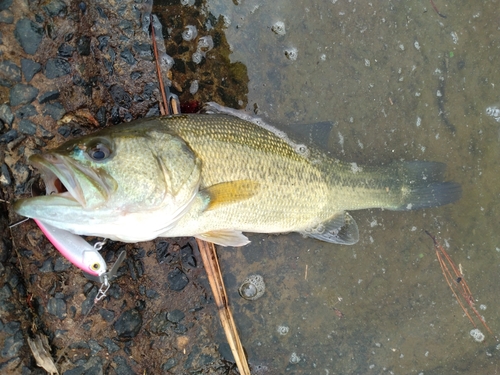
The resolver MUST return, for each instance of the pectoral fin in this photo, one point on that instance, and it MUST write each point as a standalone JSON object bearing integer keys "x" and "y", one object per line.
{"x": 341, "y": 229}
{"x": 225, "y": 237}
{"x": 229, "y": 192}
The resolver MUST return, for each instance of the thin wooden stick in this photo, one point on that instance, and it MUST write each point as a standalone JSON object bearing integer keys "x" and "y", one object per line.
{"x": 458, "y": 278}
{"x": 160, "y": 78}
{"x": 212, "y": 268}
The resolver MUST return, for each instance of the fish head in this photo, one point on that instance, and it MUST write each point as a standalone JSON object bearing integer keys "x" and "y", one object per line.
{"x": 112, "y": 176}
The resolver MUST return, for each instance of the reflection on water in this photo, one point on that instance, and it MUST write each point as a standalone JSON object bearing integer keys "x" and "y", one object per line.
{"x": 400, "y": 82}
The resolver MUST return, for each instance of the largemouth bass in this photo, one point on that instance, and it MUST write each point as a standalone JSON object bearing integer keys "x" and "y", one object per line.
{"x": 214, "y": 176}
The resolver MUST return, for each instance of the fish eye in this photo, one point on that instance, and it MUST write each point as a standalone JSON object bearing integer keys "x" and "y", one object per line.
{"x": 95, "y": 267}
{"x": 98, "y": 152}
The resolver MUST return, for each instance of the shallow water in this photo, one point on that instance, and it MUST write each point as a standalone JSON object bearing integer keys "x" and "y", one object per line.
{"x": 400, "y": 82}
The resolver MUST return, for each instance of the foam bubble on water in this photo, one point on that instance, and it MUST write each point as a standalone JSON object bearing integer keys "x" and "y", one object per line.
{"x": 279, "y": 28}
{"x": 294, "y": 358}
{"x": 494, "y": 111}
{"x": 205, "y": 43}
{"x": 193, "y": 89}
{"x": 197, "y": 57}
{"x": 477, "y": 335}
{"x": 291, "y": 53}
{"x": 189, "y": 33}
{"x": 283, "y": 330}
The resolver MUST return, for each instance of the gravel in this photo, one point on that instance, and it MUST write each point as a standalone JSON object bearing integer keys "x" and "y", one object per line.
{"x": 22, "y": 94}
{"x": 29, "y": 68}
{"x": 29, "y": 35}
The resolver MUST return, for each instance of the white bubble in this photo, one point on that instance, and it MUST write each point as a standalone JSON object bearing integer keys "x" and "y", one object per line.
{"x": 189, "y": 33}
{"x": 291, "y": 53}
{"x": 417, "y": 45}
{"x": 205, "y": 43}
{"x": 279, "y": 28}
{"x": 294, "y": 358}
{"x": 283, "y": 330}
{"x": 197, "y": 57}
{"x": 477, "y": 334}
{"x": 193, "y": 89}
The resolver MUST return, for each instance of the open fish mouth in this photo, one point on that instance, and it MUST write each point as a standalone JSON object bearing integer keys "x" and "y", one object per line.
{"x": 68, "y": 179}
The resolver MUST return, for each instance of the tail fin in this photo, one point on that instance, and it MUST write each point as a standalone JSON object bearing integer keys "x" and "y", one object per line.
{"x": 423, "y": 186}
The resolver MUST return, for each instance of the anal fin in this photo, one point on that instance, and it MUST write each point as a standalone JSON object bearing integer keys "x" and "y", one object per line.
{"x": 225, "y": 237}
{"x": 341, "y": 229}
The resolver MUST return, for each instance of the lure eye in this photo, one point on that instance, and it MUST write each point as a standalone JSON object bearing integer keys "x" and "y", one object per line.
{"x": 95, "y": 267}
{"x": 98, "y": 152}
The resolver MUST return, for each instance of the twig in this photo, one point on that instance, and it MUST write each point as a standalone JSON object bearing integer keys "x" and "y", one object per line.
{"x": 457, "y": 281}
{"x": 160, "y": 78}
{"x": 436, "y": 9}
{"x": 212, "y": 268}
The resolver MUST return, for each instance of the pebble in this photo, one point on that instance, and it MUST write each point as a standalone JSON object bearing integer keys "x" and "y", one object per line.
{"x": 9, "y": 136}
{"x": 120, "y": 96}
{"x": 10, "y": 74}
{"x": 29, "y": 35}
{"x": 27, "y": 127}
{"x": 127, "y": 56}
{"x": 83, "y": 46}
{"x": 101, "y": 116}
{"x": 6, "y": 114}
{"x": 5, "y": 178}
{"x": 135, "y": 75}
{"x": 171, "y": 363}
{"x": 57, "y": 67}
{"x": 175, "y": 316}
{"x": 128, "y": 324}
{"x": 48, "y": 96}
{"x": 61, "y": 264}
{"x": 55, "y": 8}
{"x": 107, "y": 315}
{"x": 187, "y": 257}
{"x": 64, "y": 130}
{"x": 26, "y": 111}
{"x": 144, "y": 50}
{"x": 159, "y": 323}
{"x": 103, "y": 41}
{"x": 54, "y": 110}
{"x": 5, "y": 4}
{"x": 6, "y": 16}
{"x": 29, "y": 68}
{"x": 65, "y": 50}
{"x": 111, "y": 347}
{"x": 121, "y": 366}
{"x": 22, "y": 94}
{"x": 57, "y": 307}
{"x": 177, "y": 280}
{"x": 94, "y": 347}
{"x": 12, "y": 345}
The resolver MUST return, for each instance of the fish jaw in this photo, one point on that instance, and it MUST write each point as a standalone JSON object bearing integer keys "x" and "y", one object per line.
{"x": 90, "y": 187}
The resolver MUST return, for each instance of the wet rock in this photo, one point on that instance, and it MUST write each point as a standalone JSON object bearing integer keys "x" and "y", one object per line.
{"x": 144, "y": 50}
{"x": 111, "y": 347}
{"x": 160, "y": 323}
{"x": 83, "y": 46}
{"x": 150, "y": 293}
{"x": 6, "y": 114}
{"x": 9, "y": 136}
{"x": 64, "y": 130}
{"x": 65, "y": 50}
{"x": 57, "y": 67}
{"x": 107, "y": 315}
{"x": 89, "y": 301}
{"x": 94, "y": 347}
{"x": 10, "y": 74}
{"x": 27, "y": 127}
{"x": 22, "y": 94}
{"x": 171, "y": 363}
{"x": 45, "y": 133}
{"x": 103, "y": 41}
{"x": 120, "y": 96}
{"x": 61, "y": 264}
{"x": 5, "y": 179}
{"x": 177, "y": 280}
{"x": 127, "y": 56}
{"x": 187, "y": 257}
{"x": 175, "y": 316}
{"x": 101, "y": 116}
{"x": 135, "y": 75}
{"x": 12, "y": 345}
{"x": 57, "y": 307}
{"x": 54, "y": 110}
{"x": 122, "y": 367}
{"x": 6, "y": 16}
{"x": 5, "y": 4}
{"x": 153, "y": 111}
{"x": 48, "y": 96}
{"x": 162, "y": 253}
{"x": 128, "y": 324}
{"x": 26, "y": 111}
{"x": 55, "y": 8}
{"x": 29, "y": 68}
{"x": 115, "y": 291}
{"x": 29, "y": 35}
